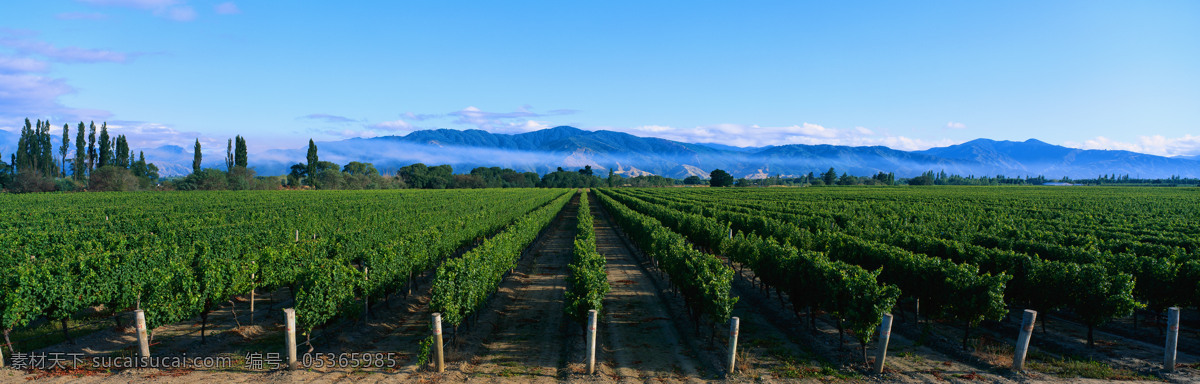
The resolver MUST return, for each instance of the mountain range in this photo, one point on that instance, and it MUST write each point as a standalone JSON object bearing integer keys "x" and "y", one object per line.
{"x": 546, "y": 150}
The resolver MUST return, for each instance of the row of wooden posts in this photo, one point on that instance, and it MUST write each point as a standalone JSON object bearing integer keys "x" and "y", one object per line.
{"x": 885, "y": 332}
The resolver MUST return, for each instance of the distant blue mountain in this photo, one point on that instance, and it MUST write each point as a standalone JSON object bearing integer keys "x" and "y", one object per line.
{"x": 572, "y": 148}
{"x": 1033, "y": 157}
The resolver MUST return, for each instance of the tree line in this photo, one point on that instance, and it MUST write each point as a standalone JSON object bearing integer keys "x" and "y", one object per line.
{"x": 103, "y": 163}
{"x": 106, "y": 164}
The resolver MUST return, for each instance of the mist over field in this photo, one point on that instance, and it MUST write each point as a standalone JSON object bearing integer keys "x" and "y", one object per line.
{"x": 570, "y": 148}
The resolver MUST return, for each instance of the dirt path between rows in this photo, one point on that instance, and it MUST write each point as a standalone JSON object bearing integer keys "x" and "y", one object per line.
{"x": 520, "y": 334}
{"x": 641, "y": 340}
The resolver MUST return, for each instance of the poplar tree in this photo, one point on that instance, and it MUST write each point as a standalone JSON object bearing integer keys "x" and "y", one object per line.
{"x": 80, "y": 165}
{"x": 62, "y": 149}
{"x": 47, "y": 151}
{"x": 229, "y": 156}
{"x": 239, "y": 152}
{"x": 123, "y": 155}
{"x": 196, "y": 159}
{"x": 92, "y": 147}
{"x": 106, "y": 152}
{"x": 312, "y": 160}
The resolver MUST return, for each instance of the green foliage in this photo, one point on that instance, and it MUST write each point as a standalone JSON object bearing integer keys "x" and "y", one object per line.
{"x": 112, "y": 178}
{"x": 105, "y": 152}
{"x": 312, "y": 158}
{"x": 421, "y": 176}
{"x": 811, "y": 280}
{"x": 207, "y": 179}
{"x": 464, "y": 284}
{"x": 569, "y": 179}
{"x": 240, "y": 156}
{"x": 720, "y": 178}
{"x": 588, "y": 281}
{"x": 829, "y": 177}
{"x": 704, "y": 280}
{"x": 196, "y": 157}
{"x": 79, "y": 165}
{"x": 178, "y": 255}
{"x": 954, "y": 291}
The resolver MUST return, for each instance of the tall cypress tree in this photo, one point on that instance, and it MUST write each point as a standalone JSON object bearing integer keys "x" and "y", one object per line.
{"x": 92, "y": 147}
{"x": 62, "y": 149}
{"x": 229, "y": 156}
{"x": 312, "y": 160}
{"x": 106, "y": 152}
{"x": 196, "y": 159}
{"x": 22, "y": 162}
{"x": 239, "y": 152}
{"x": 47, "y": 152}
{"x": 123, "y": 155}
{"x": 80, "y": 164}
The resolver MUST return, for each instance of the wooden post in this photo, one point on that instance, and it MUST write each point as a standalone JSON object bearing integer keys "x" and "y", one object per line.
{"x": 366, "y": 298}
{"x": 1172, "y": 339}
{"x": 252, "y": 289}
{"x": 1, "y": 355}
{"x": 297, "y": 235}
{"x": 734, "y": 323}
{"x": 143, "y": 342}
{"x": 591, "y": 341}
{"x": 289, "y": 314}
{"x": 1027, "y": 322}
{"x": 437, "y": 343}
{"x": 885, "y": 334}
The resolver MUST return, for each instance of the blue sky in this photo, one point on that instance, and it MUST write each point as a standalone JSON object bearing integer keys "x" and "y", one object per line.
{"x": 909, "y": 75}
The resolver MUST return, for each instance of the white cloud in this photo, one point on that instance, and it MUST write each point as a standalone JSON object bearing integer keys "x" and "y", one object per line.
{"x": 10, "y": 64}
{"x": 518, "y": 121}
{"x": 807, "y": 133}
{"x": 181, "y": 13}
{"x": 171, "y": 9}
{"x": 395, "y": 125}
{"x": 227, "y": 8}
{"x": 26, "y": 91}
{"x": 147, "y": 135}
{"x": 144, "y": 4}
{"x": 26, "y": 46}
{"x": 80, "y": 16}
{"x": 1160, "y": 145}
{"x": 350, "y": 133}
{"x": 328, "y": 118}
{"x": 955, "y": 125}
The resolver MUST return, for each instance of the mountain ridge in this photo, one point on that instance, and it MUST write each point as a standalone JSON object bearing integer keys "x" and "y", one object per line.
{"x": 546, "y": 150}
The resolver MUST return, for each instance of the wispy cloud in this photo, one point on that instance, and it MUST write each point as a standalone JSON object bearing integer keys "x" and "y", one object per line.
{"x": 328, "y": 118}
{"x": 171, "y": 9}
{"x": 955, "y": 125}
{"x": 422, "y": 116}
{"x": 227, "y": 8}
{"x": 742, "y": 135}
{"x": 25, "y": 45}
{"x": 10, "y": 64}
{"x": 394, "y": 125}
{"x": 80, "y": 16}
{"x": 25, "y": 90}
{"x": 1160, "y": 145}
{"x": 142, "y": 134}
{"x": 521, "y": 120}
